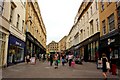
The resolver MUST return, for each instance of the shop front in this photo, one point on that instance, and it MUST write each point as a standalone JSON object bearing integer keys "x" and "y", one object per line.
{"x": 33, "y": 47}
{"x": 15, "y": 50}
{"x": 110, "y": 45}
{"x": 90, "y": 48}
{"x": 77, "y": 51}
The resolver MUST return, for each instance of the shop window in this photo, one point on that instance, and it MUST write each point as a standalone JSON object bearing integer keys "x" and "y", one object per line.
{"x": 16, "y": 54}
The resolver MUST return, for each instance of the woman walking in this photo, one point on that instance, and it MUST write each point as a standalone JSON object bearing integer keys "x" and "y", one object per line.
{"x": 63, "y": 59}
{"x": 56, "y": 60}
{"x": 104, "y": 68}
{"x": 70, "y": 57}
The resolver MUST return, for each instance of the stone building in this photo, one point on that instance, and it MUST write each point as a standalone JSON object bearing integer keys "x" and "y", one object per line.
{"x": 62, "y": 45}
{"x": 85, "y": 33}
{"x": 109, "y": 29}
{"x": 4, "y": 31}
{"x": 35, "y": 29}
{"x": 52, "y": 47}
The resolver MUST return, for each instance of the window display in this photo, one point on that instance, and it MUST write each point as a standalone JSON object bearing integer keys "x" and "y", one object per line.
{"x": 16, "y": 50}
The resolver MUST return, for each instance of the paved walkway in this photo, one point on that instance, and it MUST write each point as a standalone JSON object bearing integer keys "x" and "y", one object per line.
{"x": 43, "y": 70}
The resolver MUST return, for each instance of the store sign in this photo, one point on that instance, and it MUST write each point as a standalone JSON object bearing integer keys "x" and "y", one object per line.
{"x": 17, "y": 43}
{"x": 110, "y": 41}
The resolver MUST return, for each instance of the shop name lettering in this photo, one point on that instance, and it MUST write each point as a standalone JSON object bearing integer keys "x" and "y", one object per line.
{"x": 111, "y": 41}
{"x": 17, "y": 43}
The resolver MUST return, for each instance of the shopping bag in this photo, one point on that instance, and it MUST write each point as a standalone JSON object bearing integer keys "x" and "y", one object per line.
{"x": 72, "y": 63}
{"x": 58, "y": 61}
{"x": 99, "y": 64}
{"x": 107, "y": 65}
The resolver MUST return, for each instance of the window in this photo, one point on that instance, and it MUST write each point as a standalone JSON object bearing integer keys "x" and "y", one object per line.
{"x": 91, "y": 27}
{"x": 12, "y": 11}
{"x": 104, "y": 27}
{"x": 91, "y": 10}
{"x": 96, "y": 5}
{"x": 97, "y": 24}
{"x": 87, "y": 15}
{"x": 22, "y": 25}
{"x": 84, "y": 34}
{"x": 11, "y": 14}
{"x": 109, "y": 1}
{"x": 88, "y": 30}
{"x": 81, "y": 34}
{"x": 18, "y": 19}
{"x": 102, "y": 5}
{"x": 111, "y": 23}
{"x": 76, "y": 35}
{"x": 1, "y": 6}
{"x": 119, "y": 16}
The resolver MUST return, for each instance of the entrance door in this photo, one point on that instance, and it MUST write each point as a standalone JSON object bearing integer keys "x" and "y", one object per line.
{"x": 86, "y": 54}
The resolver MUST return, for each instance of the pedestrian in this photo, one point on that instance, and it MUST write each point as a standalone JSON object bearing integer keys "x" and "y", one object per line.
{"x": 56, "y": 60}
{"x": 51, "y": 59}
{"x": 113, "y": 65}
{"x": 39, "y": 57}
{"x": 66, "y": 58}
{"x": 104, "y": 67}
{"x": 70, "y": 57}
{"x": 48, "y": 57}
{"x": 72, "y": 63}
{"x": 63, "y": 59}
{"x": 27, "y": 58}
{"x": 43, "y": 57}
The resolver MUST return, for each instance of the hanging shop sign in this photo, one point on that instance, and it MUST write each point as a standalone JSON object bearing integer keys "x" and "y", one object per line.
{"x": 110, "y": 41}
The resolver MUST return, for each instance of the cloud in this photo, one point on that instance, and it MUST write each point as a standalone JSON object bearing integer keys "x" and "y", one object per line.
{"x": 58, "y": 17}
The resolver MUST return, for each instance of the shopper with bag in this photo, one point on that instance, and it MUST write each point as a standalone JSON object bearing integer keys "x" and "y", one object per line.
{"x": 104, "y": 66}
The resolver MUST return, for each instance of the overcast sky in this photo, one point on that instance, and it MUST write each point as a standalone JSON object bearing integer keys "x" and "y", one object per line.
{"x": 58, "y": 17}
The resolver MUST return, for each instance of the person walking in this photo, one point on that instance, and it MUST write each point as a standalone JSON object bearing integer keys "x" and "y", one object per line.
{"x": 56, "y": 60}
{"x": 27, "y": 58}
{"x": 104, "y": 67}
{"x": 70, "y": 57}
{"x": 51, "y": 59}
{"x": 63, "y": 59}
{"x": 39, "y": 56}
{"x": 113, "y": 65}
